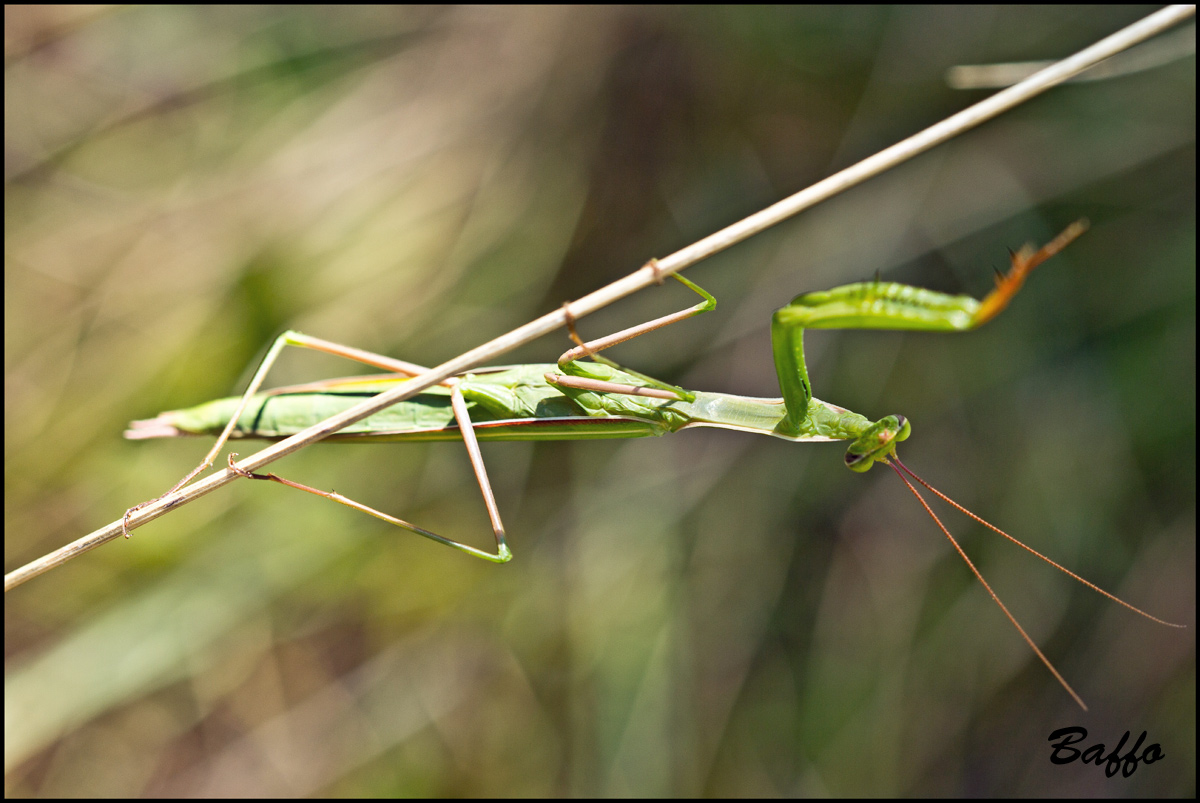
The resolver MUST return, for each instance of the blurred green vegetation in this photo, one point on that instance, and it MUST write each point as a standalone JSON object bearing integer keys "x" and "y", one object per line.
{"x": 705, "y": 614}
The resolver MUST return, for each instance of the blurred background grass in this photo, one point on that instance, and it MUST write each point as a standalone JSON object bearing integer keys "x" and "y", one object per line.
{"x": 708, "y": 613}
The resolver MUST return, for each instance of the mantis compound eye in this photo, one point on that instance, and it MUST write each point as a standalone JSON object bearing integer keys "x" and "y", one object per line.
{"x": 877, "y": 442}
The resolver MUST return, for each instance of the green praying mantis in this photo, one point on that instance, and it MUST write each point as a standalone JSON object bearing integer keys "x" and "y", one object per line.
{"x": 587, "y": 396}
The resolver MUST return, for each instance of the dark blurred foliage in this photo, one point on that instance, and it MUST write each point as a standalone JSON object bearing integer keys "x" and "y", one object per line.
{"x": 704, "y": 614}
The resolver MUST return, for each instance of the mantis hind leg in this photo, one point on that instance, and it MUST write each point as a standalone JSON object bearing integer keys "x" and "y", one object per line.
{"x": 503, "y": 555}
{"x": 462, "y": 416}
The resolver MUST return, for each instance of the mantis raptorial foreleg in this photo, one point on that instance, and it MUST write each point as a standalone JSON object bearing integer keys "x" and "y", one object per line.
{"x": 461, "y": 416}
{"x": 886, "y": 305}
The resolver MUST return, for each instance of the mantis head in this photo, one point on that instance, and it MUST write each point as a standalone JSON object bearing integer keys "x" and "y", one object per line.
{"x": 877, "y": 442}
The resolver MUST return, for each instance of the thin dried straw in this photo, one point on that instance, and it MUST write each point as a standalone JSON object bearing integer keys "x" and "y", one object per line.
{"x": 638, "y": 280}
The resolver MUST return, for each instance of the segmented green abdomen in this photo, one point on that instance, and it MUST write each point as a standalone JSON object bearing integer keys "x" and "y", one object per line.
{"x": 281, "y": 415}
